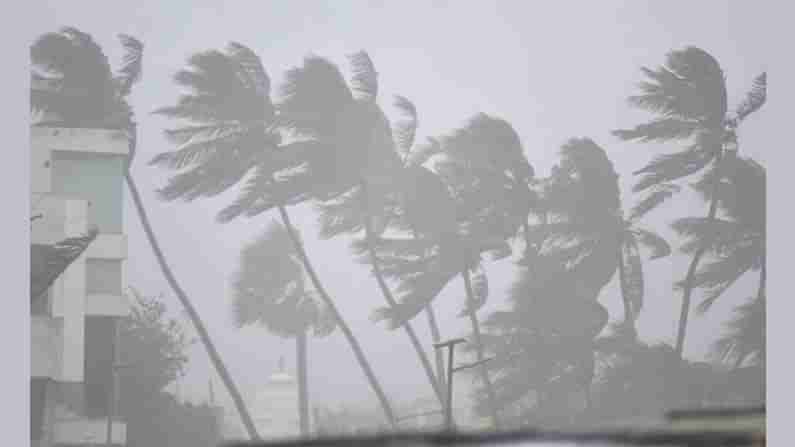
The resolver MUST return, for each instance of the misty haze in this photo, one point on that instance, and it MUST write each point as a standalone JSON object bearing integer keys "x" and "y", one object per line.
{"x": 275, "y": 220}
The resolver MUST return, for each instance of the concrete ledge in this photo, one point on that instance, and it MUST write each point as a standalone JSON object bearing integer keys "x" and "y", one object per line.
{"x": 107, "y": 141}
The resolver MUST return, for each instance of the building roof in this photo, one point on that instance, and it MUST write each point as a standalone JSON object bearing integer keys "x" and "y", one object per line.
{"x": 48, "y": 262}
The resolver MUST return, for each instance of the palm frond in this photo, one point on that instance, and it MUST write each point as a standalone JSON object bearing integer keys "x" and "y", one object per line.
{"x": 405, "y": 130}
{"x": 659, "y": 130}
{"x": 132, "y": 63}
{"x": 690, "y": 86}
{"x": 717, "y": 276}
{"x": 416, "y": 292}
{"x": 255, "y": 75}
{"x": 655, "y": 196}
{"x": 365, "y": 77}
{"x": 670, "y": 167}
{"x": 754, "y": 99}
{"x": 313, "y": 95}
{"x": 657, "y": 244}
{"x": 745, "y": 334}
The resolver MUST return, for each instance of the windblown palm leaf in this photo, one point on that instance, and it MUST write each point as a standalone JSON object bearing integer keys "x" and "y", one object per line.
{"x": 72, "y": 82}
{"x": 48, "y": 262}
{"x": 688, "y": 94}
{"x": 745, "y": 335}
{"x": 737, "y": 241}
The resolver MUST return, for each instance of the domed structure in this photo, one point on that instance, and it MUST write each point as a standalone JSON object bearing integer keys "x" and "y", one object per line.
{"x": 275, "y": 406}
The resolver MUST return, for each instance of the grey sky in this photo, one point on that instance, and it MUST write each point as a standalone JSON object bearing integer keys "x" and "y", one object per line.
{"x": 554, "y": 71}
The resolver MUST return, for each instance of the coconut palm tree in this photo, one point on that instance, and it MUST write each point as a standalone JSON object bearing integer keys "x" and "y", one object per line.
{"x": 232, "y": 132}
{"x": 689, "y": 97}
{"x": 586, "y": 228}
{"x": 74, "y": 83}
{"x": 543, "y": 346}
{"x": 478, "y": 200}
{"x": 737, "y": 237}
{"x": 270, "y": 290}
{"x": 351, "y": 123}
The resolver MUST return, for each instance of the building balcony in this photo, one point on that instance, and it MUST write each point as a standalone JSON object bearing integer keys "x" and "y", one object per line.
{"x": 88, "y": 432}
{"x": 46, "y": 346}
{"x": 56, "y": 137}
{"x": 60, "y": 218}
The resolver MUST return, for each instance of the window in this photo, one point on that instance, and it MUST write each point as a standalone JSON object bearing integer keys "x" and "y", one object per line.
{"x": 103, "y": 276}
{"x": 97, "y": 178}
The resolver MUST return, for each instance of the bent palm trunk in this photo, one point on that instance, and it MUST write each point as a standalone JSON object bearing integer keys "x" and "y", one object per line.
{"x": 691, "y": 270}
{"x": 346, "y": 330}
{"x": 204, "y": 336}
{"x": 484, "y": 373}
{"x": 437, "y": 338}
{"x": 379, "y": 276}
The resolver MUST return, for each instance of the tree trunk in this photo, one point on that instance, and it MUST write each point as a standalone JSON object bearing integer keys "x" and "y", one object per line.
{"x": 379, "y": 276}
{"x": 691, "y": 271}
{"x": 346, "y": 330}
{"x": 484, "y": 373}
{"x": 204, "y": 336}
{"x": 437, "y": 338}
{"x": 629, "y": 318}
{"x": 303, "y": 385}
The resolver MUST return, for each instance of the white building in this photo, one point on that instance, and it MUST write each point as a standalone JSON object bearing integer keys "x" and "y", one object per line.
{"x": 77, "y": 182}
{"x": 275, "y": 406}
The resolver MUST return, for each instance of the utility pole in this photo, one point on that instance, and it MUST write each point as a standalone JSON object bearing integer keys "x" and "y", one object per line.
{"x": 450, "y": 345}
{"x": 112, "y": 394}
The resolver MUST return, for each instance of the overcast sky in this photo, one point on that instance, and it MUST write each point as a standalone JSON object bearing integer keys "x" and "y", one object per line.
{"x": 554, "y": 72}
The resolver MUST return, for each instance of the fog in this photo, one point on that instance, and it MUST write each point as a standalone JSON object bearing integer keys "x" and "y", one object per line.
{"x": 557, "y": 71}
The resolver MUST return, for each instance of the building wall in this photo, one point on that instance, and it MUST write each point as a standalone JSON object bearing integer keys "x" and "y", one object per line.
{"x": 77, "y": 181}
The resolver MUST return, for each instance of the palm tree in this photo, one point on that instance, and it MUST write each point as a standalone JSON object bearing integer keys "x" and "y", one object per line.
{"x": 79, "y": 87}
{"x": 543, "y": 346}
{"x": 586, "y": 228}
{"x": 689, "y": 96}
{"x": 270, "y": 290}
{"x": 479, "y": 199}
{"x": 233, "y": 130}
{"x": 348, "y": 119}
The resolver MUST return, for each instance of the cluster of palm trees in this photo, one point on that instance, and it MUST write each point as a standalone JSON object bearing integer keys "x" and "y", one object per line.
{"x": 422, "y": 214}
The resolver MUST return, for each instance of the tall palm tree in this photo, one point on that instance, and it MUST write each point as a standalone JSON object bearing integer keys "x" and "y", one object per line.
{"x": 689, "y": 96}
{"x": 586, "y": 228}
{"x": 351, "y": 122}
{"x": 233, "y": 131}
{"x": 81, "y": 89}
{"x": 543, "y": 346}
{"x": 478, "y": 200}
{"x": 270, "y": 290}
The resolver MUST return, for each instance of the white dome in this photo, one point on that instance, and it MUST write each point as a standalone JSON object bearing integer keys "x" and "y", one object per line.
{"x": 281, "y": 377}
